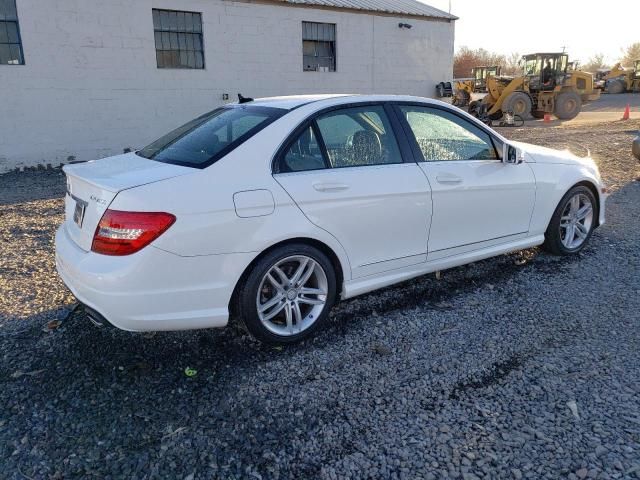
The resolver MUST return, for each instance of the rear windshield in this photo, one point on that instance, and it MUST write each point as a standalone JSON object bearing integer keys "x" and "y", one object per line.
{"x": 208, "y": 138}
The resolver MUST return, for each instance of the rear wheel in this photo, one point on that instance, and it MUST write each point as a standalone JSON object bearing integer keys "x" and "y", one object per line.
{"x": 615, "y": 86}
{"x": 568, "y": 105}
{"x": 572, "y": 223}
{"x": 288, "y": 294}
{"x": 519, "y": 103}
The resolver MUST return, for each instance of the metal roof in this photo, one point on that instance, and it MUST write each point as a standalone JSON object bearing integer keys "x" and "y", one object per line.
{"x": 398, "y": 7}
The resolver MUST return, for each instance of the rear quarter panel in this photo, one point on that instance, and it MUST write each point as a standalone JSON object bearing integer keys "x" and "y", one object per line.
{"x": 207, "y": 221}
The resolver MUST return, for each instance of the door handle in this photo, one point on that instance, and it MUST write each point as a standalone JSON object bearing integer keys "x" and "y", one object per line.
{"x": 448, "y": 179}
{"x": 330, "y": 187}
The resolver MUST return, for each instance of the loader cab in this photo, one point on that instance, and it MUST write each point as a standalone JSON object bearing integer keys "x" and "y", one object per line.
{"x": 545, "y": 71}
{"x": 480, "y": 75}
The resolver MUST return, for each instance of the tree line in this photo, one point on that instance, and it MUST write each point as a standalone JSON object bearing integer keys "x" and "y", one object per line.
{"x": 466, "y": 58}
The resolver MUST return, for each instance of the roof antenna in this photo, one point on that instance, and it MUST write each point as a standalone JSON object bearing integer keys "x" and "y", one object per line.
{"x": 242, "y": 99}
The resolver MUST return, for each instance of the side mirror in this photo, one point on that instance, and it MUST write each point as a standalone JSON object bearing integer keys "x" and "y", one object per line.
{"x": 636, "y": 147}
{"x": 511, "y": 154}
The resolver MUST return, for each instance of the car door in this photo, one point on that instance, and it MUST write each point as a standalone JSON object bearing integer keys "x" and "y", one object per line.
{"x": 477, "y": 199}
{"x": 345, "y": 171}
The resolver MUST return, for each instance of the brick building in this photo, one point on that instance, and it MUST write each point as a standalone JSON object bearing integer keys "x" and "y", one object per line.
{"x": 87, "y": 78}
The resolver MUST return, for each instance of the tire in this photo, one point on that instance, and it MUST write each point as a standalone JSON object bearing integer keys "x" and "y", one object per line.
{"x": 519, "y": 103}
{"x": 615, "y": 86}
{"x": 461, "y": 99}
{"x": 473, "y": 109}
{"x": 568, "y": 105}
{"x": 556, "y": 240}
{"x": 285, "y": 326}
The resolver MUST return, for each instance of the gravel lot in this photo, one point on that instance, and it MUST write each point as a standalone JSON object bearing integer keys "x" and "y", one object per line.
{"x": 522, "y": 366}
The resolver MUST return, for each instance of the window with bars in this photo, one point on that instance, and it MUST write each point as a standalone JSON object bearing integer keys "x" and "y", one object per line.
{"x": 318, "y": 47}
{"x": 10, "y": 43}
{"x": 178, "y": 38}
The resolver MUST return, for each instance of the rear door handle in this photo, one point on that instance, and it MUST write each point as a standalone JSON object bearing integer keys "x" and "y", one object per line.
{"x": 448, "y": 179}
{"x": 330, "y": 187}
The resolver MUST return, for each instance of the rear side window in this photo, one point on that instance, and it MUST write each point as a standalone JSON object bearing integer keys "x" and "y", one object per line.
{"x": 208, "y": 138}
{"x": 359, "y": 136}
{"x": 303, "y": 154}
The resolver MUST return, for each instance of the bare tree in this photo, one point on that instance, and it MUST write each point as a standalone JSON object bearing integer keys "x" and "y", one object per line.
{"x": 511, "y": 65}
{"x": 594, "y": 63}
{"x": 631, "y": 54}
{"x": 466, "y": 58}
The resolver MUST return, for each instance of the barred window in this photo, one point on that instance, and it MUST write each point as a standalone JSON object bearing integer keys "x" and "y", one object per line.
{"x": 10, "y": 43}
{"x": 318, "y": 47}
{"x": 178, "y": 38}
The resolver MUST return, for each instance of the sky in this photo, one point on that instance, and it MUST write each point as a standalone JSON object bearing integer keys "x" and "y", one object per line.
{"x": 585, "y": 28}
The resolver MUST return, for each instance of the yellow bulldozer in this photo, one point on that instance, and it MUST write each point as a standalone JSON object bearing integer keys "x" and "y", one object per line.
{"x": 620, "y": 79}
{"x": 545, "y": 86}
{"x": 476, "y": 84}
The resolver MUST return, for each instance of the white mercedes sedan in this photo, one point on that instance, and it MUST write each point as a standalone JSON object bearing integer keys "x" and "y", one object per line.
{"x": 271, "y": 210}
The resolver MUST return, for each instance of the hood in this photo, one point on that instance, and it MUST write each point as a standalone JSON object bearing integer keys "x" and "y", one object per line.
{"x": 121, "y": 172}
{"x": 549, "y": 155}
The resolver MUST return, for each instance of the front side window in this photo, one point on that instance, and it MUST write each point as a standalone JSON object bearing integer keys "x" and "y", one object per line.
{"x": 178, "y": 37}
{"x": 208, "y": 138}
{"x": 318, "y": 47}
{"x": 442, "y": 135}
{"x": 10, "y": 43}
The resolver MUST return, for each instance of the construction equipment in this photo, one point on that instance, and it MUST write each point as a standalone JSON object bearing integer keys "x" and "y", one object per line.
{"x": 620, "y": 79}
{"x": 600, "y": 78}
{"x": 444, "y": 89}
{"x": 545, "y": 86}
{"x": 476, "y": 84}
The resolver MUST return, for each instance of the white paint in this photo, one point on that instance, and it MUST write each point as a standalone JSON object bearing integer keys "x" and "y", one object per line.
{"x": 90, "y": 86}
{"x": 185, "y": 278}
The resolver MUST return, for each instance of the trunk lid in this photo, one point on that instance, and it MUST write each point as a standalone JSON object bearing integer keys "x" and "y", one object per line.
{"x": 92, "y": 186}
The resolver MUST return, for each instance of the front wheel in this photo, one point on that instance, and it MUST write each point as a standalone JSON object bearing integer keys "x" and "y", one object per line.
{"x": 572, "y": 223}
{"x": 568, "y": 105}
{"x": 288, "y": 294}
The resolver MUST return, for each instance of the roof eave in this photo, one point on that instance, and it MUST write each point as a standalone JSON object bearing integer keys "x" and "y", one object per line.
{"x": 285, "y": 3}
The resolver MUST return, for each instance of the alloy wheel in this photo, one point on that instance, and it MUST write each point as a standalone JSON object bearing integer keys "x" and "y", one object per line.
{"x": 292, "y": 295}
{"x": 576, "y": 221}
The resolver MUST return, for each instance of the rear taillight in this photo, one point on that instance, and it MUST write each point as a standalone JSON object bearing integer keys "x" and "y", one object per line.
{"x": 124, "y": 233}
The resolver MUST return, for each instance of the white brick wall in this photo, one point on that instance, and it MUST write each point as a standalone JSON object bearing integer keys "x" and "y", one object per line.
{"x": 90, "y": 86}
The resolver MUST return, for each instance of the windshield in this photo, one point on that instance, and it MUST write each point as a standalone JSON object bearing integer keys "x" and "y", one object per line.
{"x": 203, "y": 141}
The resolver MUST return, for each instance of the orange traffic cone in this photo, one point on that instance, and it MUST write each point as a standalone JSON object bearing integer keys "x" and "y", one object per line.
{"x": 547, "y": 118}
{"x": 625, "y": 115}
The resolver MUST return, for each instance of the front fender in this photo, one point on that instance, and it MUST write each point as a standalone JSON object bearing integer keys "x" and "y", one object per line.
{"x": 552, "y": 182}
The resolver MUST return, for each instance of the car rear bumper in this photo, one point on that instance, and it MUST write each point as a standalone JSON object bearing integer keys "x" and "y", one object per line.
{"x": 152, "y": 289}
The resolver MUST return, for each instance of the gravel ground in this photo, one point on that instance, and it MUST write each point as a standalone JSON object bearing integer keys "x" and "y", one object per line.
{"x": 521, "y": 366}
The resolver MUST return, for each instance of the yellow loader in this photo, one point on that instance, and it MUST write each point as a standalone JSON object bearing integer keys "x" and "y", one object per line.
{"x": 620, "y": 80}
{"x": 545, "y": 86}
{"x": 477, "y": 83}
